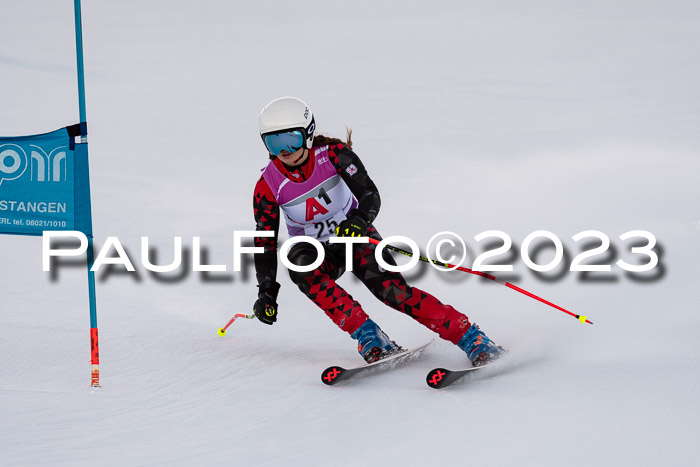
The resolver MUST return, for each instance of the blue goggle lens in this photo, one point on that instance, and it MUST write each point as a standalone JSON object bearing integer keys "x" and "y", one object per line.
{"x": 290, "y": 141}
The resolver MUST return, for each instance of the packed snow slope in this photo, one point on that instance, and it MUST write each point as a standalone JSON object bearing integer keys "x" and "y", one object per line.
{"x": 470, "y": 116}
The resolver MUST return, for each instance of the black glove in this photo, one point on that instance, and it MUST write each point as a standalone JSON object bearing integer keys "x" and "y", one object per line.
{"x": 265, "y": 307}
{"x": 353, "y": 226}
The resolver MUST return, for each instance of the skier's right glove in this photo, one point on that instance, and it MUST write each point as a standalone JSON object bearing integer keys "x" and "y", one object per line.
{"x": 265, "y": 307}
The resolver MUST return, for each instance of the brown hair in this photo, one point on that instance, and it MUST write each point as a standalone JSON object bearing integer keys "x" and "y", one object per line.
{"x": 322, "y": 140}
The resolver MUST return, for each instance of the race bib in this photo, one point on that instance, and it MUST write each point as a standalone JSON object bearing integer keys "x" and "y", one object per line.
{"x": 323, "y": 229}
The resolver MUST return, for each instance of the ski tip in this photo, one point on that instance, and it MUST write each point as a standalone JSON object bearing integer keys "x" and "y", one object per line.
{"x": 436, "y": 378}
{"x": 332, "y": 375}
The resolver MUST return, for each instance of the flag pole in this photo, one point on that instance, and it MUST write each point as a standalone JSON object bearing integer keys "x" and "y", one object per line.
{"x": 94, "y": 342}
{"x": 79, "y": 56}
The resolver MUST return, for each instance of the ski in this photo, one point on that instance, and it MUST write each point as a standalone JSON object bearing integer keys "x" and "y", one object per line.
{"x": 439, "y": 378}
{"x": 335, "y": 374}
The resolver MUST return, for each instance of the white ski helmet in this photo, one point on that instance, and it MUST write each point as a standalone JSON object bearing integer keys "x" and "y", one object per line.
{"x": 287, "y": 114}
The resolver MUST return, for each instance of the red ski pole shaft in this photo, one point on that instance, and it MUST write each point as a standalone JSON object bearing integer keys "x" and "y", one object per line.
{"x": 581, "y": 318}
{"x": 222, "y": 331}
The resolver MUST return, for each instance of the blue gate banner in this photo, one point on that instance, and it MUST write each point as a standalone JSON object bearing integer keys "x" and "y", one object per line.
{"x": 44, "y": 183}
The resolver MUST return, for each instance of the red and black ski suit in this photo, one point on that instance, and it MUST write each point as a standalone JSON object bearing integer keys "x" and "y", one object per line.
{"x": 320, "y": 284}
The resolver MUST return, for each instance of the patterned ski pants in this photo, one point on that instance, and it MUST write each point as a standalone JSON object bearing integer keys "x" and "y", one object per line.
{"x": 389, "y": 287}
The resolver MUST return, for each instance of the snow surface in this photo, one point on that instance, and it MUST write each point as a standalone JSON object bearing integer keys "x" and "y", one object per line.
{"x": 470, "y": 116}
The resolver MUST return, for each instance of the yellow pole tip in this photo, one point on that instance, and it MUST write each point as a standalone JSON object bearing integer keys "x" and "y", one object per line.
{"x": 582, "y": 319}
{"x": 222, "y": 332}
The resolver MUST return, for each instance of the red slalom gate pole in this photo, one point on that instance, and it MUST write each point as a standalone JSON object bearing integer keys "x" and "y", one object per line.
{"x": 222, "y": 331}
{"x": 581, "y": 318}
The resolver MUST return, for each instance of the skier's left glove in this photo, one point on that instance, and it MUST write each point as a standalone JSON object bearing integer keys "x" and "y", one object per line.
{"x": 353, "y": 226}
{"x": 265, "y": 307}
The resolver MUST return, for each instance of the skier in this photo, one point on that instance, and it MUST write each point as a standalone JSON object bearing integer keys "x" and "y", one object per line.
{"x": 324, "y": 189}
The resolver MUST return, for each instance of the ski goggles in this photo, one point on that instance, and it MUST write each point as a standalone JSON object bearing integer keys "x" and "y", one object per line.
{"x": 288, "y": 140}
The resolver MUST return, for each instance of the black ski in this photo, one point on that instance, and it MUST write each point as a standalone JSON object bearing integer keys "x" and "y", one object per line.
{"x": 335, "y": 374}
{"x": 441, "y": 378}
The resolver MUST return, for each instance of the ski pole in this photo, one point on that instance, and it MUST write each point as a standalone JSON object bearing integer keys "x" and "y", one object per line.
{"x": 222, "y": 331}
{"x": 581, "y": 318}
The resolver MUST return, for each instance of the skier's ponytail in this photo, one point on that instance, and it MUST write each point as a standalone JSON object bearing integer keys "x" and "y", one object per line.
{"x": 322, "y": 140}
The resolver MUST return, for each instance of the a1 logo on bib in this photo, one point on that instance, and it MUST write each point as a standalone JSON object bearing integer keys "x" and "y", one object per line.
{"x": 314, "y": 208}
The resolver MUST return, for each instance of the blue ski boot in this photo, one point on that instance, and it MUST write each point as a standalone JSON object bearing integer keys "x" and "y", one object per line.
{"x": 372, "y": 343}
{"x": 479, "y": 348}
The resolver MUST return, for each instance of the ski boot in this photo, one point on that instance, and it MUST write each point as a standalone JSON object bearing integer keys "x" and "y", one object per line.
{"x": 479, "y": 348}
{"x": 372, "y": 343}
